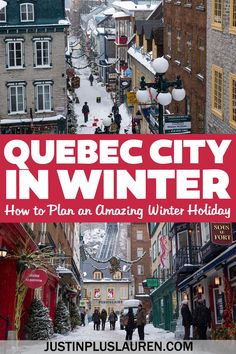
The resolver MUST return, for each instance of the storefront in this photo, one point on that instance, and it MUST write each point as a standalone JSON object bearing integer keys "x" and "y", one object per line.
{"x": 210, "y": 284}
{"x": 165, "y": 306}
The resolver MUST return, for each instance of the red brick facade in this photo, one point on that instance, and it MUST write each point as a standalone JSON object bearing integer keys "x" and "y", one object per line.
{"x": 140, "y": 270}
{"x": 185, "y": 47}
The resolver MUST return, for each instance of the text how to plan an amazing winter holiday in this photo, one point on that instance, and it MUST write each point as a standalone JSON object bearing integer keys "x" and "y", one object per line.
{"x": 124, "y": 178}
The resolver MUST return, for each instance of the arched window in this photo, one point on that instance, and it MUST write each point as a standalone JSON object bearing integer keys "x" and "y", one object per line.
{"x": 26, "y": 12}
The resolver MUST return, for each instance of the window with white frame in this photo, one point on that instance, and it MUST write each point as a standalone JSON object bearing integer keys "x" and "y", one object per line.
{"x": 139, "y": 235}
{"x": 3, "y": 15}
{"x": 140, "y": 288}
{"x": 15, "y": 54}
{"x": 139, "y": 252}
{"x": 27, "y": 12}
{"x": 16, "y": 95}
{"x": 140, "y": 269}
{"x": 42, "y": 53}
{"x": 43, "y": 97}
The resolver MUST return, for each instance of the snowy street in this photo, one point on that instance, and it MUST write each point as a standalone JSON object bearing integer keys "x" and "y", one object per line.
{"x": 87, "y": 93}
{"x": 87, "y": 333}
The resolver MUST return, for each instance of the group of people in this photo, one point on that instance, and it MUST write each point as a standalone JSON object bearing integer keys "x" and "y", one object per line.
{"x": 200, "y": 319}
{"x": 130, "y": 323}
{"x": 102, "y": 317}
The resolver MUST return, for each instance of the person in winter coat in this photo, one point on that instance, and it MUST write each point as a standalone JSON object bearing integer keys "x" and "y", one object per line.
{"x": 141, "y": 321}
{"x": 112, "y": 318}
{"x": 82, "y": 316}
{"x": 85, "y": 111}
{"x": 187, "y": 319}
{"x": 118, "y": 121}
{"x": 202, "y": 319}
{"x": 96, "y": 320}
{"x": 130, "y": 326}
{"x": 115, "y": 109}
{"x": 103, "y": 318}
{"x": 91, "y": 79}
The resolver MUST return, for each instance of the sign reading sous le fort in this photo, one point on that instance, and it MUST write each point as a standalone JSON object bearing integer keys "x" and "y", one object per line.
{"x": 221, "y": 233}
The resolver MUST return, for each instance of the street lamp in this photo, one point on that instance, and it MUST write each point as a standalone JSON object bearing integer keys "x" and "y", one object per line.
{"x": 3, "y": 252}
{"x": 159, "y": 90}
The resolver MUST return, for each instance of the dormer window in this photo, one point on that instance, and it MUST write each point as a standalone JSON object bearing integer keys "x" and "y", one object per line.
{"x": 26, "y": 12}
{"x": 97, "y": 275}
{"x": 3, "y": 16}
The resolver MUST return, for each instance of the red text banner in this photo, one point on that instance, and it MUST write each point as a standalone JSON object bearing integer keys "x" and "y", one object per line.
{"x": 118, "y": 178}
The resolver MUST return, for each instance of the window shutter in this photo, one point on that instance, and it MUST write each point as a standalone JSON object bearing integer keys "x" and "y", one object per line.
{"x": 6, "y": 54}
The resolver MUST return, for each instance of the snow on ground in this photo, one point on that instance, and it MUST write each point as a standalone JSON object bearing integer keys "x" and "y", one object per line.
{"x": 88, "y": 333}
{"x": 98, "y": 111}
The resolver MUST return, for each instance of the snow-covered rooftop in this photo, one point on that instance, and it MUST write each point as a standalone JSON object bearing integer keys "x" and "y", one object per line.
{"x": 120, "y": 14}
{"x": 141, "y": 59}
{"x": 110, "y": 11}
{"x": 29, "y": 120}
{"x": 131, "y": 6}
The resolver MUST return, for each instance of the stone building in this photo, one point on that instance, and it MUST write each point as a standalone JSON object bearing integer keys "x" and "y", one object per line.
{"x": 221, "y": 66}
{"x": 185, "y": 48}
{"x": 140, "y": 248}
{"x": 32, "y": 67}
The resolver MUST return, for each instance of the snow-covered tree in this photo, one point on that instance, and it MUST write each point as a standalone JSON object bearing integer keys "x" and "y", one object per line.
{"x": 39, "y": 324}
{"x": 74, "y": 316}
{"x": 62, "y": 323}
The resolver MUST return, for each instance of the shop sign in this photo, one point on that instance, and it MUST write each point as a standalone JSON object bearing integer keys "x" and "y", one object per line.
{"x": 131, "y": 98}
{"x": 177, "y": 124}
{"x": 112, "y": 76}
{"x": 34, "y": 278}
{"x": 70, "y": 72}
{"x": 75, "y": 82}
{"x": 221, "y": 233}
{"x": 152, "y": 283}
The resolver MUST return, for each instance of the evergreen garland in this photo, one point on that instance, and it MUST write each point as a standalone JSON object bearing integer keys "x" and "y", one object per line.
{"x": 74, "y": 316}
{"x": 39, "y": 324}
{"x": 62, "y": 323}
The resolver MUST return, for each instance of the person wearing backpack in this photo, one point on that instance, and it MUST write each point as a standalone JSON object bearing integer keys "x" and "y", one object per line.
{"x": 129, "y": 324}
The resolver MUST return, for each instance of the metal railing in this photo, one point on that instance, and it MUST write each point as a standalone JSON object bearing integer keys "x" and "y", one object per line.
{"x": 187, "y": 256}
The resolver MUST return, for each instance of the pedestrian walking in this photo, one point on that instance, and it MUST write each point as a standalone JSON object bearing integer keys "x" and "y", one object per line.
{"x": 96, "y": 320}
{"x": 85, "y": 111}
{"x": 202, "y": 319}
{"x": 112, "y": 319}
{"x": 129, "y": 324}
{"x": 115, "y": 109}
{"x": 141, "y": 321}
{"x": 91, "y": 79}
{"x": 82, "y": 316}
{"x": 187, "y": 319}
{"x": 118, "y": 121}
{"x": 103, "y": 318}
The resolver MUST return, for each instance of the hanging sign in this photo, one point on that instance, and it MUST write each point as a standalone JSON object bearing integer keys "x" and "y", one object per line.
{"x": 221, "y": 233}
{"x": 75, "y": 82}
{"x": 34, "y": 278}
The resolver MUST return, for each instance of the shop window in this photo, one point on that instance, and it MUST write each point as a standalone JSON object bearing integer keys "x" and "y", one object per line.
{"x": 16, "y": 97}
{"x": 43, "y": 96}
{"x": 140, "y": 288}
{"x": 123, "y": 293}
{"x": 219, "y": 305}
{"x": 205, "y": 232}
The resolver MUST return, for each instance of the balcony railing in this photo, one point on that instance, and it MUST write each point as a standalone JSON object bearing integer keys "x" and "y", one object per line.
{"x": 187, "y": 258}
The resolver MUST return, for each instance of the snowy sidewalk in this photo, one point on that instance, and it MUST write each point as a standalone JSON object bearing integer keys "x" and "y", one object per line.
{"x": 87, "y": 333}
{"x": 98, "y": 111}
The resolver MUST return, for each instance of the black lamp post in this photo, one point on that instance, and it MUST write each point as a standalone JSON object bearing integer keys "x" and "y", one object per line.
{"x": 159, "y": 90}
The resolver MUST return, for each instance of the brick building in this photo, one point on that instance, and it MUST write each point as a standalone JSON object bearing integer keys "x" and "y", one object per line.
{"x": 140, "y": 248}
{"x": 185, "y": 47}
{"x": 32, "y": 67}
{"x": 221, "y": 66}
